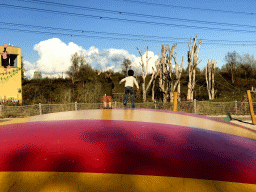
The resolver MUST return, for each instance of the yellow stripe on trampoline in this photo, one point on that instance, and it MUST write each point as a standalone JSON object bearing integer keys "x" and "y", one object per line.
{"x": 74, "y": 182}
{"x": 143, "y": 116}
{"x": 14, "y": 121}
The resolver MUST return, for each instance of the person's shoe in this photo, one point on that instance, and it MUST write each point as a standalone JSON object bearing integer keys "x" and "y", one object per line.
{"x": 110, "y": 108}
{"x": 105, "y": 107}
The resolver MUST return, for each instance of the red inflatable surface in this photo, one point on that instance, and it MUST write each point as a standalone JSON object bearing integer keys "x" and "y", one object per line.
{"x": 128, "y": 143}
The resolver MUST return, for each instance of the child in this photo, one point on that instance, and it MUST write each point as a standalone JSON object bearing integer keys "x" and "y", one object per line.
{"x": 107, "y": 86}
{"x": 129, "y": 81}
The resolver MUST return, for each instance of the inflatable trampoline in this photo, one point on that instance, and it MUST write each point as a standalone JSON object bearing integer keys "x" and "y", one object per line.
{"x": 126, "y": 150}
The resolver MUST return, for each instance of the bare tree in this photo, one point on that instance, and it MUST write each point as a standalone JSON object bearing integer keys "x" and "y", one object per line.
{"x": 74, "y": 68}
{"x": 247, "y": 65}
{"x": 194, "y": 48}
{"x": 144, "y": 74}
{"x": 175, "y": 80}
{"x": 37, "y": 75}
{"x": 165, "y": 61}
{"x": 154, "y": 74}
{"x": 78, "y": 71}
{"x": 231, "y": 60}
{"x": 247, "y": 59}
{"x": 209, "y": 75}
{"x": 126, "y": 65}
{"x": 169, "y": 79}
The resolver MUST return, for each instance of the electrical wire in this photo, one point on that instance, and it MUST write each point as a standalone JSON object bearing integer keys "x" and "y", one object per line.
{"x": 192, "y": 8}
{"x": 143, "y": 15}
{"x": 143, "y": 36}
{"x": 224, "y": 86}
{"x": 133, "y": 14}
{"x": 76, "y": 35}
{"x": 226, "y": 80}
{"x": 82, "y": 33}
{"x": 100, "y": 37}
{"x": 124, "y": 20}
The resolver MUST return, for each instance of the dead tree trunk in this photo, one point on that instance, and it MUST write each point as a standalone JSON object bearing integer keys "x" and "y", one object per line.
{"x": 176, "y": 79}
{"x": 179, "y": 96}
{"x": 154, "y": 81}
{"x": 194, "y": 48}
{"x": 209, "y": 75}
{"x": 144, "y": 74}
{"x": 163, "y": 72}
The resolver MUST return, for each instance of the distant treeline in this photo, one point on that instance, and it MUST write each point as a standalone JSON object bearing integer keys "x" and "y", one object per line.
{"x": 60, "y": 90}
{"x": 82, "y": 85}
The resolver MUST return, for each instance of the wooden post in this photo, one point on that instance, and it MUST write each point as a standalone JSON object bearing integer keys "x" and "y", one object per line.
{"x": 40, "y": 109}
{"x": 194, "y": 105}
{"x": 175, "y": 103}
{"x": 76, "y": 106}
{"x": 0, "y": 110}
{"x": 236, "y": 106}
{"x": 251, "y": 107}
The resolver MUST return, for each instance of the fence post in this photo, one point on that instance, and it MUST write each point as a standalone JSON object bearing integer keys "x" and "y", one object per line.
{"x": 245, "y": 111}
{"x": 76, "y": 106}
{"x": 40, "y": 109}
{"x": 194, "y": 105}
{"x": 0, "y": 110}
{"x": 155, "y": 104}
{"x": 175, "y": 103}
{"x": 236, "y": 106}
{"x": 115, "y": 104}
{"x": 251, "y": 107}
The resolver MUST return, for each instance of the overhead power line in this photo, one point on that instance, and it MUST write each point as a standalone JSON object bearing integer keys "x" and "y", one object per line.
{"x": 225, "y": 86}
{"x": 225, "y": 80}
{"x": 134, "y": 14}
{"x": 124, "y": 20}
{"x": 191, "y": 8}
{"x": 84, "y": 33}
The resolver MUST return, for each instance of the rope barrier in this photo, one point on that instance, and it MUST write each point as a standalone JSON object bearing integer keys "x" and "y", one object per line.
{"x": 240, "y": 105}
{"x": 184, "y": 107}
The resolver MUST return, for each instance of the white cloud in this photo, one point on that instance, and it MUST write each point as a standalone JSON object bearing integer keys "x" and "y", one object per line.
{"x": 55, "y": 55}
{"x": 30, "y": 69}
{"x": 55, "y": 58}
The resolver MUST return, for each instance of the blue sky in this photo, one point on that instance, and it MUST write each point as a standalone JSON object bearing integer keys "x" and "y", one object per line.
{"x": 49, "y": 32}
